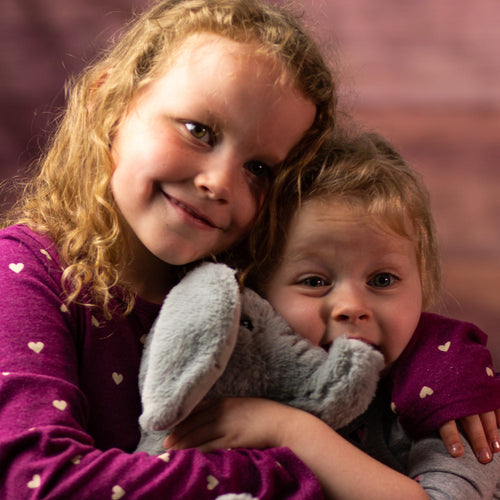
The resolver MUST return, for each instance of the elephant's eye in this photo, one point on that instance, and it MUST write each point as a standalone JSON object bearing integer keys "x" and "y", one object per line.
{"x": 245, "y": 322}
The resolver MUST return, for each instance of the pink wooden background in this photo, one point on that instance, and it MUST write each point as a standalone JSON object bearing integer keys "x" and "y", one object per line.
{"x": 426, "y": 73}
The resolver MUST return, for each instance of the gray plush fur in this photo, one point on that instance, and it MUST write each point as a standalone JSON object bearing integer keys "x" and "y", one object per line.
{"x": 213, "y": 340}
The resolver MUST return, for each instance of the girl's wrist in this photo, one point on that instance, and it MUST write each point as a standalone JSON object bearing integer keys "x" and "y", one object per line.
{"x": 295, "y": 424}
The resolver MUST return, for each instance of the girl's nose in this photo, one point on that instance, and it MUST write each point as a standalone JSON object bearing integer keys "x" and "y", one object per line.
{"x": 216, "y": 179}
{"x": 351, "y": 315}
{"x": 350, "y": 308}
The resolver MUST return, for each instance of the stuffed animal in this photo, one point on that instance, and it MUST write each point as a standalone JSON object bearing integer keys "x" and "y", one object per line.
{"x": 212, "y": 339}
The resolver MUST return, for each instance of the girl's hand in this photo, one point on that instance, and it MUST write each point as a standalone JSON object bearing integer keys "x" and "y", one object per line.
{"x": 482, "y": 432}
{"x": 233, "y": 423}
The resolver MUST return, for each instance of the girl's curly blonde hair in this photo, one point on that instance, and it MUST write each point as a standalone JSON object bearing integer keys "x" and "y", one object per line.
{"x": 70, "y": 198}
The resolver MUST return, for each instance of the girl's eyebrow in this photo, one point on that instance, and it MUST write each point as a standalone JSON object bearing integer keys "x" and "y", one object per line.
{"x": 203, "y": 117}
{"x": 219, "y": 121}
{"x": 214, "y": 117}
{"x": 303, "y": 250}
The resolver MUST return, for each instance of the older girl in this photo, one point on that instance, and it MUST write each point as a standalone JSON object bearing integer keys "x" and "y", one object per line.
{"x": 164, "y": 156}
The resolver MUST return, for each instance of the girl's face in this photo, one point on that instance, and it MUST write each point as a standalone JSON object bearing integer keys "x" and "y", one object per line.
{"x": 195, "y": 153}
{"x": 342, "y": 275}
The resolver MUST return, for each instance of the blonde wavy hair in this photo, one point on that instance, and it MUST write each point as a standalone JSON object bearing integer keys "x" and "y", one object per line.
{"x": 367, "y": 173}
{"x": 70, "y": 198}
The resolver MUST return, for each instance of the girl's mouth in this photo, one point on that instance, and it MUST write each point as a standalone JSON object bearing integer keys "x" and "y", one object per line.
{"x": 190, "y": 211}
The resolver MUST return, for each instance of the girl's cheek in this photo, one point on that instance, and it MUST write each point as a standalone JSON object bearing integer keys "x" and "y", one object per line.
{"x": 306, "y": 322}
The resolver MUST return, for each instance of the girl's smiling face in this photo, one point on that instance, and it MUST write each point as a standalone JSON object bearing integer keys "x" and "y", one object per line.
{"x": 195, "y": 152}
{"x": 344, "y": 275}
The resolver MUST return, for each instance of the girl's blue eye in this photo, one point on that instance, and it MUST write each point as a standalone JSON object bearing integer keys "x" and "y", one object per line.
{"x": 382, "y": 280}
{"x": 258, "y": 169}
{"x": 314, "y": 282}
{"x": 200, "y": 132}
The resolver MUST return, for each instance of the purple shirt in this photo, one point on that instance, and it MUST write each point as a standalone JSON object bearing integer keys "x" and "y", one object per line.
{"x": 445, "y": 373}
{"x": 69, "y": 401}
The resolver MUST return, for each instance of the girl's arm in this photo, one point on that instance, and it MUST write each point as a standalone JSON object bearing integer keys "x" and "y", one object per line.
{"x": 427, "y": 397}
{"x": 344, "y": 471}
{"x": 69, "y": 403}
{"x": 444, "y": 477}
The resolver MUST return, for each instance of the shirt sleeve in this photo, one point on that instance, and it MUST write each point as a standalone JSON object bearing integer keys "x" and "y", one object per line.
{"x": 445, "y": 373}
{"x": 46, "y": 448}
{"x": 425, "y": 460}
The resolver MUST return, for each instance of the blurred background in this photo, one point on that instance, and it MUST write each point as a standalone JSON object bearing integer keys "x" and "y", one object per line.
{"x": 426, "y": 74}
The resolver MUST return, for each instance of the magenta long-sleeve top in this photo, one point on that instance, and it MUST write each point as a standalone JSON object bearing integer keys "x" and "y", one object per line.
{"x": 69, "y": 401}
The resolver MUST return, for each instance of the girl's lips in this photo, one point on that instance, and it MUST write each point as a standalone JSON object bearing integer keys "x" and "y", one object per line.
{"x": 190, "y": 210}
{"x": 361, "y": 339}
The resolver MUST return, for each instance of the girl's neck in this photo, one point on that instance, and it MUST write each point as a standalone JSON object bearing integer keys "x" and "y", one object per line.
{"x": 149, "y": 277}
{"x": 151, "y": 284}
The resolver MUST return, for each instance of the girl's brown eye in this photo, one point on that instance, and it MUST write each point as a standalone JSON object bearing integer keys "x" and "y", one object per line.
{"x": 314, "y": 282}
{"x": 382, "y": 280}
{"x": 200, "y": 132}
{"x": 258, "y": 169}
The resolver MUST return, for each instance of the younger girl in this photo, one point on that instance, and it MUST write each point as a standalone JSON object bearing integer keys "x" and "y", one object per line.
{"x": 360, "y": 260}
{"x": 164, "y": 156}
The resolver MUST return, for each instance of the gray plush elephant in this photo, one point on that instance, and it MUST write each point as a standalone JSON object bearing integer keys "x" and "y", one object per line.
{"x": 212, "y": 339}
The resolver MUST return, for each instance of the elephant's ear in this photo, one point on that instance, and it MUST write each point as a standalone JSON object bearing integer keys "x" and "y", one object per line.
{"x": 189, "y": 345}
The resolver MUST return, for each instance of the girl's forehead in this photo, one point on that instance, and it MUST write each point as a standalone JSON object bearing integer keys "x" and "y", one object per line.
{"x": 349, "y": 213}
{"x": 317, "y": 233}
{"x": 197, "y": 45}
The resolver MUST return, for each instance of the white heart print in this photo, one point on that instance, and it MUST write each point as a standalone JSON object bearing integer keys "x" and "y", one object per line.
{"x": 17, "y": 268}
{"x": 212, "y": 482}
{"x": 117, "y": 492}
{"x": 59, "y": 404}
{"x": 444, "y": 347}
{"x": 36, "y": 346}
{"x": 35, "y": 482}
{"x": 426, "y": 391}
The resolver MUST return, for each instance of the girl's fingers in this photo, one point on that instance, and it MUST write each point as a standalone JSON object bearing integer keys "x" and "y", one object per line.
{"x": 203, "y": 437}
{"x": 451, "y": 438}
{"x": 233, "y": 423}
{"x": 481, "y": 431}
{"x": 475, "y": 431}
{"x": 490, "y": 425}
{"x": 194, "y": 430}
